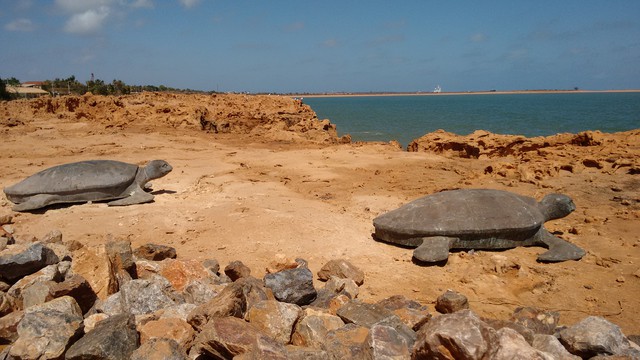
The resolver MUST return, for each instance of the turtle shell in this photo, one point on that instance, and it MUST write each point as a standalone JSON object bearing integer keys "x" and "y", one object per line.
{"x": 466, "y": 214}
{"x": 76, "y": 178}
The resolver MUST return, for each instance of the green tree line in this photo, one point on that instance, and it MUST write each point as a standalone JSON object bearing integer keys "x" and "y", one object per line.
{"x": 72, "y": 86}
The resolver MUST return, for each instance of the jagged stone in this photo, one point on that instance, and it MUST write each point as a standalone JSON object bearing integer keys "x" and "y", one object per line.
{"x": 9, "y": 327}
{"x": 344, "y": 286}
{"x": 182, "y": 272}
{"x": 7, "y": 303}
{"x": 594, "y": 336}
{"x": 236, "y": 270}
{"x": 552, "y": 346}
{"x": 384, "y": 342}
{"x": 159, "y": 349}
{"x": 293, "y": 286}
{"x": 92, "y": 320}
{"x": 121, "y": 259}
{"x": 411, "y": 312}
{"x": 274, "y": 318}
{"x": 94, "y": 265}
{"x": 169, "y": 328}
{"x": 305, "y": 353}
{"x": 178, "y": 311}
{"x": 347, "y": 342}
{"x": 212, "y": 265}
{"x": 34, "y": 258}
{"x": 35, "y": 294}
{"x": 367, "y": 315}
{"x": 227, "y": 337}
{"x": 53, "y": 236}
{"x": 48, "y": 273}
{"x": 137, "y": 297}
{"x": 46, "y": 331}
{"x": 77, "y": 287}
{"x": 459, "y": 335}
{"x": 342, "y": 269}
{"x": 112, "y": 338}
{"x": 229, "y": 302}
{"x": 281, "y": 262}
{"x": 450, "y": 302}
{"x": 200, "y": 291}
{"x": 526, "y": 333}
{"x": 511, "y": 345}
{"x": 538, "y": 321}
{"x": 155, "y": 252}
{"x": 312, "y": 328}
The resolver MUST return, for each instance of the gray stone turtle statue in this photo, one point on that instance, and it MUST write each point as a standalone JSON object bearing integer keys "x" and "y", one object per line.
{"x": 477, "y": 219}
{"x": 83, "y": 181}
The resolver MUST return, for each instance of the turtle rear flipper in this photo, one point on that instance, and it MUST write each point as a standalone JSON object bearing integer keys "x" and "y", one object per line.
{"x": 559, "y": 250}
{"x": 434, "y": 249}
{"x": 35, "y": 202}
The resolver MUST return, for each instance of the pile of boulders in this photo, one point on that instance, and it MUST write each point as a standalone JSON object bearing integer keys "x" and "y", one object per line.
{"x": 64, "y": 300}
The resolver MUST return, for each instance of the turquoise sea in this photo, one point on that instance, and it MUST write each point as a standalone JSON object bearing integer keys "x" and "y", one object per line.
{"x": 404, "y": 118}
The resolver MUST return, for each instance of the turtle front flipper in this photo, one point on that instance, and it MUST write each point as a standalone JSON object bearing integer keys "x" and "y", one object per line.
{"x": 559, "y": 250}
{"x": 433, "y": 249}
{"x": 138, "y": 196}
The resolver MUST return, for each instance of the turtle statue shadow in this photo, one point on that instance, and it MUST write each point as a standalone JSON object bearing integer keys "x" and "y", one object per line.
{"x": 84, "y": 181}
{"x": 477, "y": 219}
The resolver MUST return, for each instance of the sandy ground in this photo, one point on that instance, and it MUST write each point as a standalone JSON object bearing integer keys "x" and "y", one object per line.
{"x": 238, "y": 197}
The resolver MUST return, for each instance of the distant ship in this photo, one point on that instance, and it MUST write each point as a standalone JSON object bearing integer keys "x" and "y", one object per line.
{"x": 437, "y": 89}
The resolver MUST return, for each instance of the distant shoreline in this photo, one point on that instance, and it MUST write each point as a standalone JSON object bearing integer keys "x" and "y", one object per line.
{"x": 357, "y": 94}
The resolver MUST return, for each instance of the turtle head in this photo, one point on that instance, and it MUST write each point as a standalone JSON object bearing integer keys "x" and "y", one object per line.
{"x": 157, "y": 169}
{"x": 556, "y": 206}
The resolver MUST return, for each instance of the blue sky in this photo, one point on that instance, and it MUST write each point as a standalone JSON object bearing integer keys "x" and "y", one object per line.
{"x": 326, "y": 46}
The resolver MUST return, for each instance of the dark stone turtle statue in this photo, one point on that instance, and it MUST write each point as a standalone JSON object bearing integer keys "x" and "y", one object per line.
{"x": 477, "y": 219}
{"x": 84, "y": 181}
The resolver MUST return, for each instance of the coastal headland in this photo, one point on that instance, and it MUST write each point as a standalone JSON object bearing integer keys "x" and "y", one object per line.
{"x": 256, "y": 177}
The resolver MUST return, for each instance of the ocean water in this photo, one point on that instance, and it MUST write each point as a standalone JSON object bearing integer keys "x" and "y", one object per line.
{"x": 405, "y": 118}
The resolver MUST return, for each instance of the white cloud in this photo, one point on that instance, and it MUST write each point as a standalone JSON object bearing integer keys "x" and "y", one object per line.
{"x": 82, "y": 6}
{"x": 87, "y": 22}
{"x": 189, "y": 3}
{"x": 142, "y": 4}
{"x": 478, "y": 37}
{"x": 20, "y": 25}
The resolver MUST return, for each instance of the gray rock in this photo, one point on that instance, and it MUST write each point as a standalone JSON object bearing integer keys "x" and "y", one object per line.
{"x": 227, "y": 337}
{"x": 368, "y": 315}
{"x": 460, "y": 335}
{"x": 274, "y": 318}
{"x": 347, "y": 342}
{"x": 78, "y": 288}
{"x": 293, "y": 286}
{"x": 342, "y": 269}
{"x": 236, "y": 270}
{"x": 512, "y": 346}
{"x": 312, "y": 329}
{"x": 385, "y": 343}
{"x": 552, "y": 346}
{"x": 155, "y": 252}
{"x": 16, "y": 266}
{"x": 344, "y": 286}
{"x": 137, "y": 297}
{"x": 526, "y": 333}
{"x": 113, "y": 338}
{"x": 412, "y": 313}
{"x": 594, "y": 336}
{"x": 121, "y": 260}
{"x": 212, "y": 264}
{"x": 9, "y": 327}
{"x": 200, "y": 291}
{"x": 450, "y": 302}
{"x": 305, "y": 353}
{"x": 54, "y": 236}
{"x": 48, "y": 273}
{"x": 35, "y": 294}
{"x": 159, "y": 349}
{"x": 538, "y": 321}
{"x": 46, "y": 331}
{"x": 229, "y": 302}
